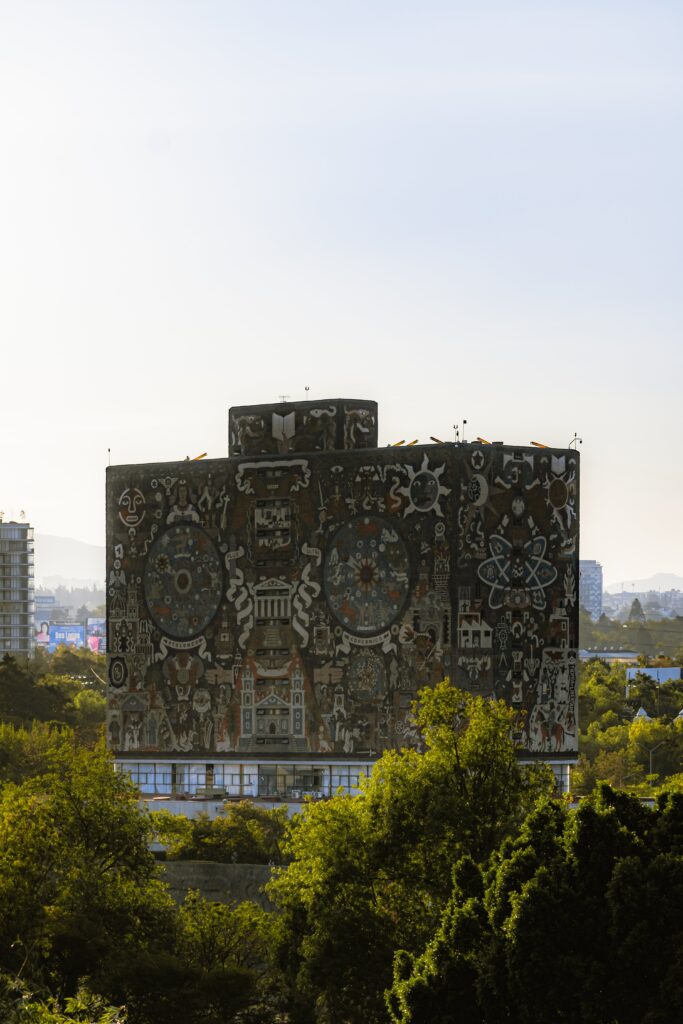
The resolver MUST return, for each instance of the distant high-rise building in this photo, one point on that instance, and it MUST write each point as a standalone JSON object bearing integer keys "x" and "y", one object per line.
{"x": 590, "y": 587}
{"x": 17, "y": 608}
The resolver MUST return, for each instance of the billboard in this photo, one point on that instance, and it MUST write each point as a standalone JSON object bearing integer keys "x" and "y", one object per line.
{"x": 42, "y": 637}
{"x": 71, "y": 634}
{"x": 97, "y": 635}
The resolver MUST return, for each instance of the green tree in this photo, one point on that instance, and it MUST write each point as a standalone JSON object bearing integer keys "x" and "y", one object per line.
{"x": 452, "y": 957}
{"x": 372, "y": 873}
{"x": 578, "y": 920}
{"x": 43, "y": 691}
{"x": 80, "y": 898}
{"x": 78, "y": 884}
{"x": 18, "y": 1005}
{"x": 243, "y": 833}
{"x": 215, "y": 935}
{"x": 79, "y": 663}
{"x": 636, "y": 613}
{"x": 212, "y": 973}
{"x": 23, "y": 699}
{"x": 615, "y": 745}
{"x": 26, "y": 752}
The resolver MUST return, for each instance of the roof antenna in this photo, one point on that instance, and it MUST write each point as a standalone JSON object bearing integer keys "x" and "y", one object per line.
{"x": 284, "y": 398}
{"x": 109, "y": 454}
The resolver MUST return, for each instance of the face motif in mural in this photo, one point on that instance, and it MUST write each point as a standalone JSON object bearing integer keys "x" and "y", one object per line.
{"x": 367, "y": 575}
{"x": 359, "y": 427}
{"x": 132, "y": 507}
{"x": 424, "y": 489}
{"x": 182, "y": 581}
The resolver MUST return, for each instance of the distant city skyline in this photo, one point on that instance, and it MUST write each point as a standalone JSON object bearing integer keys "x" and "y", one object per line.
{"x": 461, "y": 211}
{"x": 661, "y": 582}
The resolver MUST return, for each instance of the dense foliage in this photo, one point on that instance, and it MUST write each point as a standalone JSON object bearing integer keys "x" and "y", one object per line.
{"x": 619, "y": 746}
{"x": 64, "y": 688}
{"x": 642, "y": 633}
{"x": 242, "y": 834}
{"x": 372, "y": 874}
{"x": 85, "y": 918}
{"x": 577, "y": 919}
{"x": 454, "y": 889}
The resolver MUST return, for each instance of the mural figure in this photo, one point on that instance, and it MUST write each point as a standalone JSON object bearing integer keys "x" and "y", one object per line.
{"x": 292, "y": 598}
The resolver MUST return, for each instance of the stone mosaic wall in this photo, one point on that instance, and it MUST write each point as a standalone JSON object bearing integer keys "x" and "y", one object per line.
{"x": 340, "y": 424}
{"x": 295, "y": 603}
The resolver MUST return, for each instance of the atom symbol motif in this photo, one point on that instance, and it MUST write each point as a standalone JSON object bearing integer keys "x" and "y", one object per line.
{"x": 513, "y": 575}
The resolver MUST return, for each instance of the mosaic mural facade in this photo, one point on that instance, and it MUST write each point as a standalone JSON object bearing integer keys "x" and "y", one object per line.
{"x": 294, "y": 601}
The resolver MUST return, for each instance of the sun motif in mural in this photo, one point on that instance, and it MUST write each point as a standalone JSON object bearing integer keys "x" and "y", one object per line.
{"x": 560, "y": 489}
{"x": 424, "y": 489}
{"x": 517, "y": 576}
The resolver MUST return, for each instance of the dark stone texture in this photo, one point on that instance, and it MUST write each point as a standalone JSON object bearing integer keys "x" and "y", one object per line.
{"x": 295, "y": 603}
{"x": 223, "y": 883}
{"x": 337, "y": 424}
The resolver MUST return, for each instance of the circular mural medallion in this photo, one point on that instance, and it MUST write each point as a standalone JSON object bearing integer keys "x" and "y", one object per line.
{"x": 118, "y": 672}
{"x": 558, "y": 494}
{"x": 367, "y": 575}
{"x": 183, "y": 581}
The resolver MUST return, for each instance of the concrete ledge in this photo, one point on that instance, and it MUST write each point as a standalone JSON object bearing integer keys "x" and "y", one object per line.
{"x": 192, "y": 808}
{"x": 223, "y": 883}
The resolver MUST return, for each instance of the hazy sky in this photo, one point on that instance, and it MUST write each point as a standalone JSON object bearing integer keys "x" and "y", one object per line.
{"x": 457, "y": 209}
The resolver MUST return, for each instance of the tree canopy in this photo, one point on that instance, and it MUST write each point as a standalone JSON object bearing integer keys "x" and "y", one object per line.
{"x": 454, "y": 889}
{"x": 64, "y": 688}
{"x": 576, "y": 919}
{"x": 243, "y": 834}
{"x": 82, "y": 902}
{"x": 372, "y": 873}
{"x": 618, "y": 746}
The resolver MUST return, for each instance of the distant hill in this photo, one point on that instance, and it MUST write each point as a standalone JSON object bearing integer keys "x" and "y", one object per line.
{"x": 660, "y": 581}
{"x": 62, "y": 561}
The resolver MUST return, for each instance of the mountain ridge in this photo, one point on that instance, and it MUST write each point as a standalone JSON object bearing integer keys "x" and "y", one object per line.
{"x": 659, "y": 581}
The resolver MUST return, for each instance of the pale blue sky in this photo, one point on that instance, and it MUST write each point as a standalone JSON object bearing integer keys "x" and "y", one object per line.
{"x": 458, "y": 209}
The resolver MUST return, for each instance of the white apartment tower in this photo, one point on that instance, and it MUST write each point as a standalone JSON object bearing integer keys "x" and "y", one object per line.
{"x": 17, "y": 598}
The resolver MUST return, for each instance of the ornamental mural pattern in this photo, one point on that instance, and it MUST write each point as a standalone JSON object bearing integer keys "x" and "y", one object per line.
{"x": 294, "y": 597}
